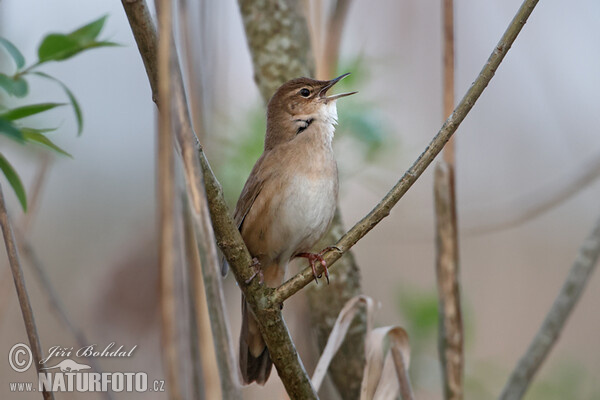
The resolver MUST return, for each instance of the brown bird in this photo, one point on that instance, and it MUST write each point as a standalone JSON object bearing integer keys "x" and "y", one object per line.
{"x": 289, "y": 199}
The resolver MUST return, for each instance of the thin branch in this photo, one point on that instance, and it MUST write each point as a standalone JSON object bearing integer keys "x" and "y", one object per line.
{"x": 450, "y": 328}
{"x": 26, "y": 310}
{"x": 331, "y": 51}
{"x": 36, "y": 190}
{"x": 555, "y": 321}
{"x": 539, "y": 200}
{"x": 206, "y": 376}
{"x": 166, "y": 203}
{"x": 384, "y": 207}
{"x": 448, "y": 23}
{"x": 450, "y": 339}
{"x": 39, "y": 270}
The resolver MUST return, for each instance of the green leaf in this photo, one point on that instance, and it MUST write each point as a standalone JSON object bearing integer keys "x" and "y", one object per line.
{"x": 56, "y": 47}
{"x": 88, "y": 33}
{"x": 72, "y": 99}
{"x": 14, "y": 180}
{"x": 33, "y": 135}
{"x": 8, "y": 129}
{"x": 15, "y": 87}
{"x": 26, "y": 111}
{"x": 14, "y": 52}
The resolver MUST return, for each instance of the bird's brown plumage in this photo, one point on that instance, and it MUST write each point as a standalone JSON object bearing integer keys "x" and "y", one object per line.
{"x": 289, "y": 198}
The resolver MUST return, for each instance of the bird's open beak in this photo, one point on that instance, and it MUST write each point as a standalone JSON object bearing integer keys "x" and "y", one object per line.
{"x": 323, "y": 92}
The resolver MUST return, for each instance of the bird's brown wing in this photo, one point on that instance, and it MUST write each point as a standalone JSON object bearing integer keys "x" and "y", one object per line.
{"x": 249, "y": 193}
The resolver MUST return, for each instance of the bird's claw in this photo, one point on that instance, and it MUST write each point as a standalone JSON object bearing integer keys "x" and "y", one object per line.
{"x": 257, "y": 271}
{"x": 312, "y": 258}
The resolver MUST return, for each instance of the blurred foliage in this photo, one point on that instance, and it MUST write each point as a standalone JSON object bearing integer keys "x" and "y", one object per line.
{"x": 54, "y": 47}
{"x": 359, "y": 121}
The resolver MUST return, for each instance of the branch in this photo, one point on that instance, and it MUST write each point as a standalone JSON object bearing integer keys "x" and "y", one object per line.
{"x": 206, "y": 369}
{"x": 331, "y": 51}
{"x": 268, "y": 314}
{"x": 450, "y": 328}
{"x": 384, "y": 207}
{"x": 539, "y": 200}
{"x": 166, "y": 202}
{"x": 39, "y": 269}
{"x": 548, "y": 334}
{"x": 26, "y": 310}
{"x": 450, "y": 339}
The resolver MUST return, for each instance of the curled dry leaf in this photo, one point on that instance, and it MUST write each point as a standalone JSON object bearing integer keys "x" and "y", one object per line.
{"x": 338, "y": 333}
{"x": 386, "y": 369}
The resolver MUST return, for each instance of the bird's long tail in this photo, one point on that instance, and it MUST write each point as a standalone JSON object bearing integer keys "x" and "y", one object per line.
{"x": 255, "y": 362}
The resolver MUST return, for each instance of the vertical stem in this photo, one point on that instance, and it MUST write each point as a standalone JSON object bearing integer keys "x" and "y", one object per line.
{"x": 448, "y": 16}
{"x": 166, "y": 203}
{"x": 206, "y": 377}
{"x": 17, "y": 272}
{"x": 450, "y": 340}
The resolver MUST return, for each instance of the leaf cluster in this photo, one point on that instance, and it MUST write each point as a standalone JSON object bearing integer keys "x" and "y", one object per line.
{"x": 54, "y": 47}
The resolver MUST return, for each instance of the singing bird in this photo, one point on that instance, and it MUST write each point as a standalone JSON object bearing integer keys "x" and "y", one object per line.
{"x": 289, "y": 199}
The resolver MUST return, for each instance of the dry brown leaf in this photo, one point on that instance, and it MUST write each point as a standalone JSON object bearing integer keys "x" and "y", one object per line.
{"x": 338, "y": 333}
{"x": 385, "y": 373}
{"x": 386, "y": 368}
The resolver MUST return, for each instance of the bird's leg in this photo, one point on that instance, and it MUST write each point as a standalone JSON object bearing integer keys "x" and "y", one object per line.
{"x": 257, "y": 271}
{"x": 312, "y": 257}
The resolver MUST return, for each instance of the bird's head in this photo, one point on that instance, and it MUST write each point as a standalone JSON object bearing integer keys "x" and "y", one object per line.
{"x": 299, "y": 103}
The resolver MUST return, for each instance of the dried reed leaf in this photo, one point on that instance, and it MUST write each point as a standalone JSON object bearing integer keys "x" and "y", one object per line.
{"x": 338, "y": 333}
{"x": 385, "y": 374}
{"x": 386, "y": 349}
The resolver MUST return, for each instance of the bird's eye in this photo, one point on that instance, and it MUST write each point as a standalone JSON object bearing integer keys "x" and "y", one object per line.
{"x": 305, "y": 92}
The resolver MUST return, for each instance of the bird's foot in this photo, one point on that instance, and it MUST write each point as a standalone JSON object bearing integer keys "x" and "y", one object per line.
{"x": 312, "y": 258}
{"x": 257, "y": 272}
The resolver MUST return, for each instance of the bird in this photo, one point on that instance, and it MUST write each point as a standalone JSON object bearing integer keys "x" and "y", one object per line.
{"x": 289, "y": 199}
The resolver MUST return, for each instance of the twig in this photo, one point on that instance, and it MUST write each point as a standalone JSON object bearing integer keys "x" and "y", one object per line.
{"x": 331, "y": 51}
{"x": 548, "y": 334}
{"x": 35, "y": 190}
{"x": 384, "y": 207}
{"x": 539, "y": 200}
{"x": 448, "y": 24}
{"x": 450, "y": 339}
{"x": 166, "y": 202}
{"x": 39, "y": 269}
{"x": 26, "y": 310}
{"x": 450, "y": 328}
{"x": 206, "y": 377}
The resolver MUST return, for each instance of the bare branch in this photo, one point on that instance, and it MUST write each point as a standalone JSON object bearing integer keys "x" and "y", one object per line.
{"x": 26, "y": 310}
{"x": 39, "y": 270}
{"x": 450, "y": 340}
{"x": 539, "y": 200}
{"x": 201, "y": 341}
{"x": 384, "y": 207}
{"x": 166, "y": 202}
{"x": 331, "y": 51}
{"x": 548, "y": 334}
{"x": 450, "y": 337}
